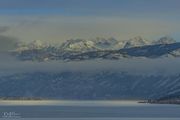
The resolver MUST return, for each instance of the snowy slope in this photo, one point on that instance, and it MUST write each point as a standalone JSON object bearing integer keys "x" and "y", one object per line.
{"x": 78, "y": 45}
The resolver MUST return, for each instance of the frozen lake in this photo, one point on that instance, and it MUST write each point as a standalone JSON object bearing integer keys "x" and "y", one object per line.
{"x": 86, "y": 110}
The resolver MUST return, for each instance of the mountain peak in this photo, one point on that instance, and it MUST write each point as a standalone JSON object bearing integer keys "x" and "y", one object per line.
{"x": 78, "y": 45}
{"x": 105, "y": 43}
{"x": 136, "y": 41}
{"x": 165, "y": 40}
{"x": 137, "y": 38}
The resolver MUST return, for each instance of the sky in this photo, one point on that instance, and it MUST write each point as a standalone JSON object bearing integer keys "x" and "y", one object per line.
{"x": 55, "y": 21}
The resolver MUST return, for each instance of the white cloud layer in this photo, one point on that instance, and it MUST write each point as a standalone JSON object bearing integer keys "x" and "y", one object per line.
{"x": 163, "y": 66}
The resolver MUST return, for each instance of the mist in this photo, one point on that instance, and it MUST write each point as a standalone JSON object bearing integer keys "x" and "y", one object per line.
{"x": 7, "y": 42}
{"x": 160, "y": 66}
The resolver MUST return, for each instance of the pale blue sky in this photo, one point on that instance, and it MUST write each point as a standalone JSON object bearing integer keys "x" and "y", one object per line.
{"x": 152, "y": 8}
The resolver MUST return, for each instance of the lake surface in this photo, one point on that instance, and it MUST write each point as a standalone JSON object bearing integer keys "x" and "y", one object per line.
{"x": 86, "y": 110}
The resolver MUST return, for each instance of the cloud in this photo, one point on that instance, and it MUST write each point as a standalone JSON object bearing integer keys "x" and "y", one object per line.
{"x": 27, "y": 21}
{"x": 4, "y": 29}
{"x": 60, "y": 28}
{"x": 7, "y": 43}
{"x": 163, "y": 66}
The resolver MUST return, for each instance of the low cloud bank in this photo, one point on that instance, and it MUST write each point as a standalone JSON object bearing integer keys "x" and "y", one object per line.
{"x": 162, "y": 66}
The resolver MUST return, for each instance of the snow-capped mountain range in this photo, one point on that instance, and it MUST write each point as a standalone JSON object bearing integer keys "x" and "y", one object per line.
{"x": 96, "y": 44}
{"x": 80, "y": 49}
{"x": 102, "y": 84}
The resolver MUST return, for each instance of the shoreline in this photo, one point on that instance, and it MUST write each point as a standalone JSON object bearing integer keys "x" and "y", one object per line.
{"x": 176, "y": 102}
{"x": 70, "y": 102}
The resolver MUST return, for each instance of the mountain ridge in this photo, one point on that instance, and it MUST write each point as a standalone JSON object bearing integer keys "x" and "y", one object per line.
{"x": 80, "y": 49}
{"x": 97, "y": 43}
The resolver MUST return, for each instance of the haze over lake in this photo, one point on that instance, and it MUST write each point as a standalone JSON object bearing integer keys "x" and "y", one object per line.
{"x": 88, "y": 110}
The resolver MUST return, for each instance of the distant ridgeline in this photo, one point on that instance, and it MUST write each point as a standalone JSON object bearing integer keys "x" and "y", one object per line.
{"x": 87, "y": 86}
{"x": 100, "y": 48}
